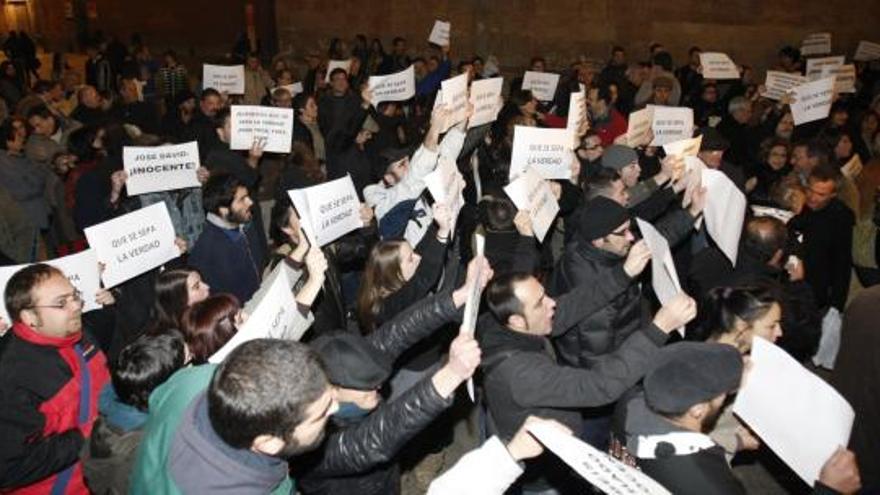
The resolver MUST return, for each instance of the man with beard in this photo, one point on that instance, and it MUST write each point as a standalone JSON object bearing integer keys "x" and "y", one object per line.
{"x": 231, "y": 428}
{"x": 230, "y": 253}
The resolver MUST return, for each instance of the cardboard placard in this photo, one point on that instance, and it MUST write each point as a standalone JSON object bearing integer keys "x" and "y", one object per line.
{"x": 541, "y": 84}
{"x": 328, "y": 211}
{"x": 486, "y": 100}
{"x": 224, "y": 78}
{"x": 161, "y": 168}
{"x": 530, "y": 192}
{"x": 812, "y": 101}
{"x": 399, "y": 86}
{"x": 547, "y": 151}
{"x": 718, "y": 66}
{"x": 272, "y": 126}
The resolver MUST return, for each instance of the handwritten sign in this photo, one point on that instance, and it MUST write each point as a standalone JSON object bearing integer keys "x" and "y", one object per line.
{"x": 228, "y": 78}
{"x": 816, "y": 44}
{"x": 337, "y": 64}
{"x": 547, "y": 151}
{"x": 270, "y": 125}
{"x": 440, "y": 33}
{"x": 779, "y": 83}
{"x": 541, "y": 84}
{"x": 812, "y": 100}
{"x": 328, "y": 211}
{"x": 671, "y": 124}
{"x": 638, "y": 130}
{"x": 455, "y": 97}
{"x": 867, "y": 51}
{"x": 399, "y": 86}
{"x": 818, "y": 68}
{"x": 486, "y": 100}
{"x": 531, "y": 193}
{"x": 81, "y": 269}
{"x": 161, "y": 168}
{"x": 718, "y": 66}
{"x": 133, "y": 243}
{"x": 446, "y": 185}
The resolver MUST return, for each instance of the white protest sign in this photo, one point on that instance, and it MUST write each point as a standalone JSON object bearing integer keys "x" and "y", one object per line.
{"x": 812, "y": 101}
{"x": 816, "y": 44}
{"x": 817, "y": 68}
{"x": 271, "y": 319}
{"x": 228, "y": 78}
{"x": 638, "y": 130}
{"x": 724, "y": 212}
{"x": 671, "y": 124}
{"x": 446, "y": 184}
{"x": 472, "y": 305}
{"x": 779, "y": 83}
{"x": 81, "y": 269}
{"x": 531, "y": 193}
{"x": 541, "y": 84}
{"x": 718, "y": 66}
{"x": 685, "y": 147}
{"x": 664, "y": 277}
{"x": 337, "y": 64}
{"x": 867, "y": 51}
{"x": 844, "y": 78}
{"x": 440, "y": 33}
{"x": 161, "y": 168}
{"x": 486, "y": 100}
{"x": 399, "y": 86}
{"x": 329, "y": 210}
{"x": 547, "y": 151}
{"x": 796, "y": 413}
{"x": 455, "y": 97}
{"x": 766, "y": 211}
{"x": 294, "y": 89}
{"x": 133, "y": 243}
{"x": 577, "y": 115}
{"x": 597, "y": 467}
{"x": 272, "y": 126}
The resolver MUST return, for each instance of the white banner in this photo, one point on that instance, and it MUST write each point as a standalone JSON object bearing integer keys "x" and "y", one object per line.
{"x": 541, "y": 84}
{"x": 455, "y": 97}
{"x": 671, "y": 124}
{"x": 816, "y": 44}
{"x": 867, "y": 51}
{"x": 597, "y": 467}
{"x": 796, "y": 413}
{"x": 779, "y": 83}
{"x": 440, "y": 33}
{"x": 271, "y": 125}
{"x": 80, "y": 268}
{"x": 577, "y": 114}
{"x": 161, "y": 168}
{"x": 685, "y": 147}
{"x": 718, "y": 66}
{"x": 399, "y": 86}
{"x": 638, "y": 130}
{"x": 272, "y": 319}
{"x": 486, "y": 100}
{"x": 133, "y": 243}
{"x": 531, "y": 193}
{"x": 812, "y": 101}
{"x": 547, "y": 151}
{"x": 329, "y": 210}
{"x": 337, "y": 64}
{"x": 446, "y": 184}
{"x": 228, "y": 78}
{"x": 818, "y": 68}
{"x": 725, "y": 212}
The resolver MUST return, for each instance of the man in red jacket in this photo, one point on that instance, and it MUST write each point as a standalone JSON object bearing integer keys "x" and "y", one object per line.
{"x": 50, "y": 377}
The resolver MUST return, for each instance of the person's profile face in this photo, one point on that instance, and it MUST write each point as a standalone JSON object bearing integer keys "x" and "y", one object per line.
{"x": 538, "y": 307}
{"x": 309, "y": 434}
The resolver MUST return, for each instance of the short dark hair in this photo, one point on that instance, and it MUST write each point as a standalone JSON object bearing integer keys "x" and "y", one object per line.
{"x": 41, "y": 111}
{"x": 209, "y": 92}
{"x": 664, "y": 60}
{"x": 497, "y": 213}
{"x": 264, "y": 387}
{"x": 18, "y": 295}
{"x": 220, "y": 117}
{"x": 826, "y": 173}
{"x": 338, "y": 70}
{"x": 617, "y": 48}
{"x": 501, "y": 298}
{"x": 604, "y": 92}
{"x": 145, "y": 364}
{"x": 601, "y": 182}
{"x": 398, "y": 39}
{"x": 694, "y": 49}
{"x": 219, "y": 192}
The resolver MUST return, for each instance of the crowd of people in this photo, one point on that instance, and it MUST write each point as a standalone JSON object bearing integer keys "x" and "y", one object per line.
{"x": 570, "y": 334}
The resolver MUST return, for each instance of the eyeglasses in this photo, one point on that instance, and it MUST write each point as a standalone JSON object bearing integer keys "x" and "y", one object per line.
{"x": 75, "y": 297}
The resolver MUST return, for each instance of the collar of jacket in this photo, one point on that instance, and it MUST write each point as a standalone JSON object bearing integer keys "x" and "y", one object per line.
{"x": 496, "y": 338}
{"x": 28, "y": 334}
{"x": 218, "y": 221}
{"x": 586, "y": 249}
{"x": 119, "y": 414}
{"x": 651, "y": 436}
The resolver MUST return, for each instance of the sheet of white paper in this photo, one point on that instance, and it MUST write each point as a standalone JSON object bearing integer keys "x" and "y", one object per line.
{"x": 486, "y": 100}
{"x": 530, "y": 192}
{"x": 446, "y": 184}
{"x": 272, "y": 318}
{"x": 597, "y": 467}
{"x": 301, "y": 205}
{"x": 718, "y": 66}
{"x": 440, "y": 33}
{"x": 779, "y": 83}
{"x": 797, "y": 414}
{"x": 399, "y": 86}
{"x": 161, "y": 168}
{"x": 541, "y": 84}
{"x": 472, "y": 306}
{"x": 664, "y": 277}
{"x": 812, "y": 101}
{"x": 545, "y": 150}
{"x": 329, "y": 210}
{"x": 867, "y": 51}
{"x": 638, "y": 130}
{"x": 294, "y": 89}
{"x": 577, "y": 114}
{"x": 133, "y": 243}
{"x": 816, "y": 44}
{"x": 671, "y": 124}
{"x": 337, "y": 64}
{"x": 455, "y": 97}
{"x": 844, "y": 78}
{"x": 685, "y": 147}
{"x": 724, "y": 212}
{"x": 80, "y": 268}
{"x": 272, "y": 125}
{"x": 765, "y": 211}
{"x": 817, "y": 68}
{"x": 228, "y": 78}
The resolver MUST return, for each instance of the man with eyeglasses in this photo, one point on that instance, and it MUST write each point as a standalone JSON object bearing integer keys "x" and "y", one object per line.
{"x": 51, "y": 374}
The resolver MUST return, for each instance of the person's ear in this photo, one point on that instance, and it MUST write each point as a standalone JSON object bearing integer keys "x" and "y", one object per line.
{"x": 517, "y": 322}
{"x": 267, "y": 444}
{"x": 224, "y": 211}
{"x": 776, "y": 260}
{"x": 28, "y": 317}
{"x": 598, "y": 243}
{"x": 698, "y": 411}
